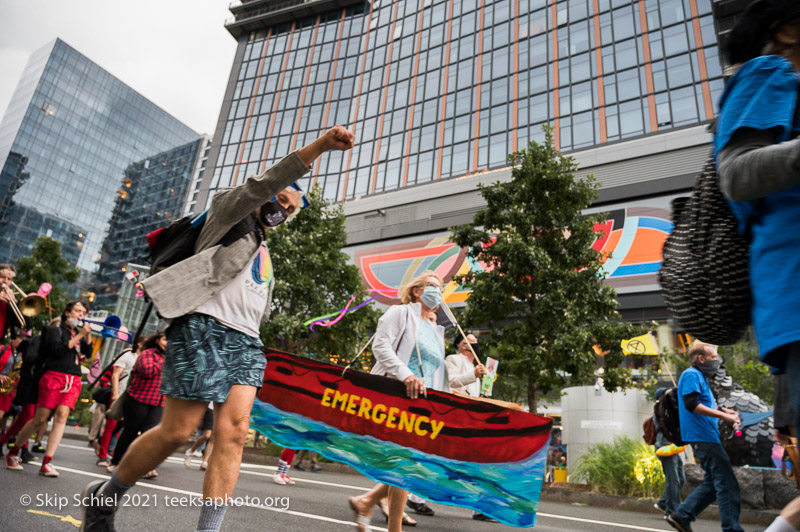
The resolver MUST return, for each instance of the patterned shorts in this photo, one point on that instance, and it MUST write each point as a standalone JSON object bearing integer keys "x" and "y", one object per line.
{"x": 205, "y": 358}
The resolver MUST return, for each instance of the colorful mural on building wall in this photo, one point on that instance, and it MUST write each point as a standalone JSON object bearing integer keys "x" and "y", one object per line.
{"x": 631, "y": 240}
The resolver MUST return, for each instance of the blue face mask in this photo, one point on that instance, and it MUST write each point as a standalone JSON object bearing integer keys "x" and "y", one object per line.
{"x": 432, "y": 297}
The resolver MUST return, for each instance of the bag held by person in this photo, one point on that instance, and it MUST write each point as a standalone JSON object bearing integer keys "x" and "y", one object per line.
{"x": 649, "y": 429}
{"x": 666, "y": 416}
{"x": 704, "y": 273}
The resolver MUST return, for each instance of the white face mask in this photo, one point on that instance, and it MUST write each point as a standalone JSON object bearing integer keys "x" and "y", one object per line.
{"x": 432, "y": 297}
{"x": 73, "y": 323}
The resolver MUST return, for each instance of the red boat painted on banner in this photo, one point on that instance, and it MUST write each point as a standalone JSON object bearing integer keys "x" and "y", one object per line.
{"x": 447, "y": 425}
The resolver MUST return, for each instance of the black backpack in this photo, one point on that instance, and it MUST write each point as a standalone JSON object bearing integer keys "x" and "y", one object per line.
{"x": 171, "y": 244}
{"x": 705, "y": 269}
{"x": 666, "y": 416}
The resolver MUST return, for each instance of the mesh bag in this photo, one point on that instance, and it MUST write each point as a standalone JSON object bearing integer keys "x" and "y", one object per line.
{"x": 704, "y": 273}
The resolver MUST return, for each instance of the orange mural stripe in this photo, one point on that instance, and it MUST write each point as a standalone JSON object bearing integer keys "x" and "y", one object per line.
{"x": 383, "y": 98}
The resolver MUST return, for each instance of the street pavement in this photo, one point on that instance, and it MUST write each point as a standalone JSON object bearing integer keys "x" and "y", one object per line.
{"x": 317, "y": 503}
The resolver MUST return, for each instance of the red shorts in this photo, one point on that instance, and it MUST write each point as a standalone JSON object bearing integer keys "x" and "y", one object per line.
{"x": 58, "y": 389}
{"x": 5, "y": 402}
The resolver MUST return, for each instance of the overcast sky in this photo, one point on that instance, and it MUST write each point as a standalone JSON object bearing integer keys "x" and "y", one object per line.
{"x": 176, "y": 53}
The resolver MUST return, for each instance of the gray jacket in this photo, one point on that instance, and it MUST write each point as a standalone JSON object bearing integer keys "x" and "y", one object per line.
{"x": 183, "y": 287}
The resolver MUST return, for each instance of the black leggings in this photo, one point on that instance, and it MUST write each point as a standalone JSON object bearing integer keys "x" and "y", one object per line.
{"x": 139, "y": 417}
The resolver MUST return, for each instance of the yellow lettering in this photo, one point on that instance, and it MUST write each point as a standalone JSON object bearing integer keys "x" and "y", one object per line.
{"x": 351, "y": 405}
{"x": 437, "y": 427}
{"x": 364, "y": 408}
{"x": 390, "y": 420}
{"x": 340, "y": 398}
{"x": 417, "y": 429}
{"x": 407, "y": 421}
{"x": 375, "y": 414}
{"x": 326, "y": 397}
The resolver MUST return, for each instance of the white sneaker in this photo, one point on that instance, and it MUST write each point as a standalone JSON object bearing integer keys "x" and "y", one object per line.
{"x": 48, "y": 470}
{"x": 198, "y": 454}
{"x": 277, "y": 478}
{"x": 287, "y": 479}
{"x": 187, "y": 459}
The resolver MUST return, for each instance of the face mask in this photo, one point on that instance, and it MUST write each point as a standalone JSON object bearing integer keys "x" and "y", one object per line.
{"x": 432, "y": 297}
{"x": 474, "y": 348}
{"x": 73, "y": 323}
{"x": 709, "y": 367}
{"x": 273, "y": 214}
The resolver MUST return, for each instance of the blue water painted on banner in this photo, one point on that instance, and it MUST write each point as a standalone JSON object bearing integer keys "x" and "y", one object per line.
{"x": 508, "y": 492}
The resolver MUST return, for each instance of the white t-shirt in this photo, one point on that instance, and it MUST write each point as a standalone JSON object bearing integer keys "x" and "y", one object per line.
{"x": 125, "y": 362}
{"x": 242, "y": 303}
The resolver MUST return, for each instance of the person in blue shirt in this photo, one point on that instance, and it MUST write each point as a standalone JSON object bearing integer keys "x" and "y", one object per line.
{"x": 758, "y": 161}
{"x": 698, "y": 413}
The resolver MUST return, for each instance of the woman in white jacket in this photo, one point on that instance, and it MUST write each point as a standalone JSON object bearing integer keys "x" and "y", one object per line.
{"x": 408, "y": 348}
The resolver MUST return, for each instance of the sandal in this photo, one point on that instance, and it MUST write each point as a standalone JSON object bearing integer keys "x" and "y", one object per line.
{"x": 151, "y": 475}
{"x": 362, "y": 521}
{"x": 408, "y": 521}
{"x": 102, "y": 462}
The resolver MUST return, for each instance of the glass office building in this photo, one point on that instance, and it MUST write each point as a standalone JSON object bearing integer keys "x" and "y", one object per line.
{"x": 153, "y": 193}
{"x": 67, "y": 137}
{"x": 438, "y": 89}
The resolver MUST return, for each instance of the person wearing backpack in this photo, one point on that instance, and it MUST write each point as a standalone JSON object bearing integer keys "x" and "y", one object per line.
{"x": 673, "y": 469}
{"x": 216, "y": 300}
{"x": 698, "y": 421}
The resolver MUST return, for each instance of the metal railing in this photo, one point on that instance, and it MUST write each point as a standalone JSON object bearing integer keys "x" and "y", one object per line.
{"x": 264, "y": 10}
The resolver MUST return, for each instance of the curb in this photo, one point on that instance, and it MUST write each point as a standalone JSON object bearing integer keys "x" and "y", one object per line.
{"x": 561, "y": 493}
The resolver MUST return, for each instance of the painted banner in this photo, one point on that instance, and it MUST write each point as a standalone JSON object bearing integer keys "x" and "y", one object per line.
{"x": 445, "y": 448}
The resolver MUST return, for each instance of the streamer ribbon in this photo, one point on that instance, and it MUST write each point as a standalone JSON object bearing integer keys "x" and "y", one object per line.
{"x": 333, "y": 318}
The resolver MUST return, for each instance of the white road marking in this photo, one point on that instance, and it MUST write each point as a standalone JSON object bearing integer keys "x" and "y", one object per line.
{"x": 605, "y": 523}
{"x": 313, "y": 516}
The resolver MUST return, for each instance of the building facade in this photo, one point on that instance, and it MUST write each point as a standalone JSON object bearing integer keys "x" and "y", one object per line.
{"x": 69, "y": 132}
{"x": 438, "y": 92}
{"x": 153, "y": 193}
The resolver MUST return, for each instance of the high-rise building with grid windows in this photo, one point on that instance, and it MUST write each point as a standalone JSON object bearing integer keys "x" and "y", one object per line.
{"x": 70, "y": 131}
{"x": 438, "y": 92}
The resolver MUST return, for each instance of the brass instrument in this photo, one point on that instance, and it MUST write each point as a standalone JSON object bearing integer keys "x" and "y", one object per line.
{"x": 13, "y": 304}
{"x": 29, "y": 305}
{"x": 8, "y": 386}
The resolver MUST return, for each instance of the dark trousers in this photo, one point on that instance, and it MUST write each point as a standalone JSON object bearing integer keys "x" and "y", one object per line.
{"x": 139, "y": 417}
{"x": 793, "y": 380}
{"x": 675, "y": 479}
{"x": 719, "y": 483}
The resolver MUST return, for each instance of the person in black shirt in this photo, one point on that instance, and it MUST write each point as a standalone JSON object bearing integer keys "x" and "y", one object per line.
{"x": 61, "y": 351}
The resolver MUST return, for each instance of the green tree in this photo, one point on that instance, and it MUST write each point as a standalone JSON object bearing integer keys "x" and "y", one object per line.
{"x": 313, "y": 278}
{"x": 543, "y": 296}
{"x": 45, "y": 264}
{"x": 745, "y": 368}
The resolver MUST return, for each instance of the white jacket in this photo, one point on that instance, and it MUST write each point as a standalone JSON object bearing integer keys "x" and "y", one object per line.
{"x": 462, "y": 375}
{"x": 396, "y": 341}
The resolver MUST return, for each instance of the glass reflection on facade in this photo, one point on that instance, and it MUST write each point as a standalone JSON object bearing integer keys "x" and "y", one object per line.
{"x": 77, "y": 128}
{"x": 152, "y": 194}
{"x": 442, "y": 88}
